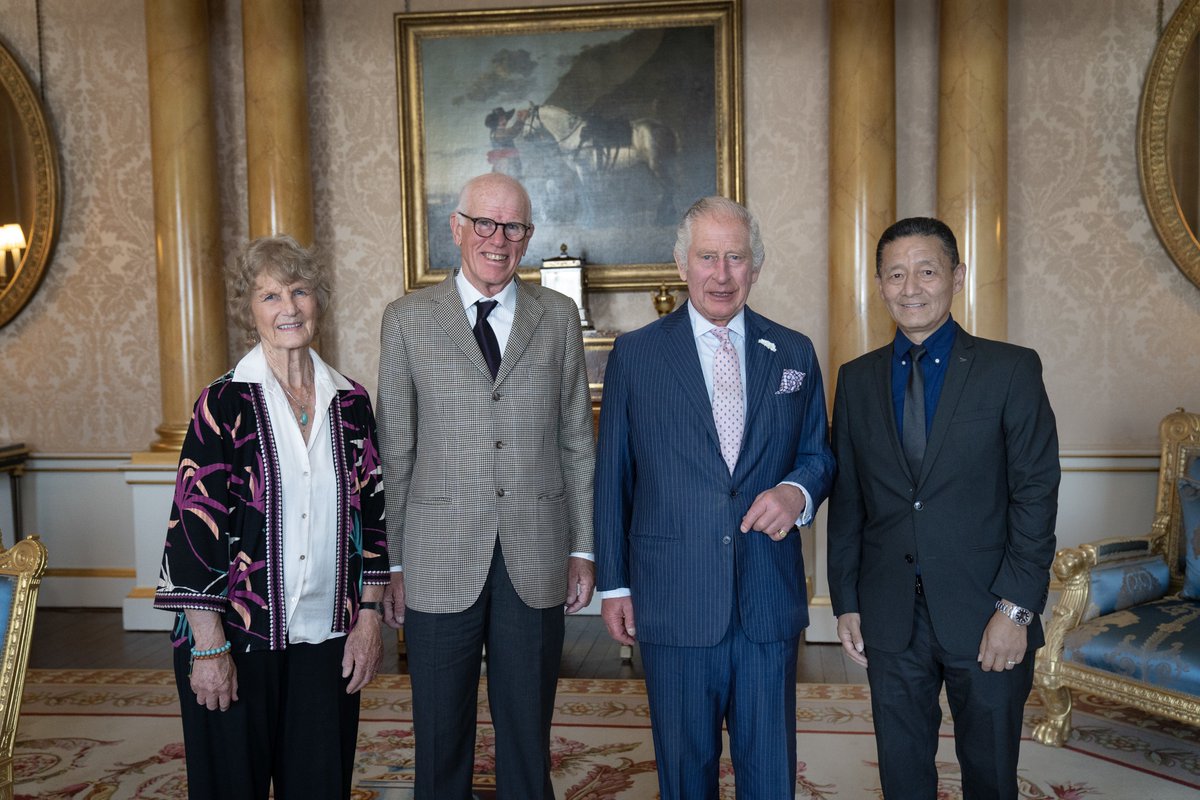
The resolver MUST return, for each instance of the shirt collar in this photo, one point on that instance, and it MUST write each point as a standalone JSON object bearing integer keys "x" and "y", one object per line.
{"x": 937, "y": 344}
{"x": 701, "y": 326}
{"x": 469, "y": 295}
{"x": 253, "y": 368}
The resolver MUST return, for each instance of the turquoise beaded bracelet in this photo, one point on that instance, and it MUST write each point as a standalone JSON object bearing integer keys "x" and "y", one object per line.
{"x": 213, "y": 652}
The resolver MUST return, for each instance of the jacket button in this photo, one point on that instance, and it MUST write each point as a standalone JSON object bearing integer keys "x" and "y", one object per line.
{"x": 499, "y": 445}
{"x": 726, "y": 540}
{"x": 918, "y": 505}
{"x": 908, "y": 557}
{"x": 496, "y": 395}
{"x": 733, "y": 492}
{"x": 499, "y": 493}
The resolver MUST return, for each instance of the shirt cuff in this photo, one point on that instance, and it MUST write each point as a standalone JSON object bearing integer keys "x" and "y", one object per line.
{"x": 611, "y": 593}
{"x": 807, "y": 516}
{"x": 398, "y": 568}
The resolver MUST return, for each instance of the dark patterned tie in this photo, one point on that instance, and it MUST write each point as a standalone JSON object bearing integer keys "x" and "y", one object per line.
{"x": 914, "y": 412}
{"x": 486, "y": 337}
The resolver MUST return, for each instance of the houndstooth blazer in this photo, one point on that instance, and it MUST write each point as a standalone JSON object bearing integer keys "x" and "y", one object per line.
{"x": 466, "y": 457}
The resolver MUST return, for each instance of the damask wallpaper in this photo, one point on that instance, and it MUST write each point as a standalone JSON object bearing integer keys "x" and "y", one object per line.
{"x": 1117, "y": 325}
{"x": 1091, "y": 287}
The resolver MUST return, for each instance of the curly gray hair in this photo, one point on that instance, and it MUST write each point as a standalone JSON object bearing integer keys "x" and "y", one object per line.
{"x": 284, "y": 259}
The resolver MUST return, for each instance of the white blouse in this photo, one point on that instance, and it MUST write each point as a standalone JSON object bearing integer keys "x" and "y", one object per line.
{"x": 309, "y": 487}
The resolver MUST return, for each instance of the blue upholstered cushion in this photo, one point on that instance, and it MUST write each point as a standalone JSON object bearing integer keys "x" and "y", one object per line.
{"x": 1189, "y": 504}
{"x": 1156, "y": 643}
{"x": 1122, "y": 584}
{"x": 8, "y": 583}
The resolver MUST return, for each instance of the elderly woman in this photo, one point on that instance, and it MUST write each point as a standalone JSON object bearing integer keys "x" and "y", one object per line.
{"x": 276, "y": 553}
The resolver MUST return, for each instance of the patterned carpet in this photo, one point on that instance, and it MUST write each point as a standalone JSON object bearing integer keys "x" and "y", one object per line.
{"x": 114, "y": 734}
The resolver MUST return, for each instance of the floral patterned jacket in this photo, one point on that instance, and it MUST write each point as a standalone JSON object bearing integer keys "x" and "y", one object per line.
{"x": 224, "y": 548}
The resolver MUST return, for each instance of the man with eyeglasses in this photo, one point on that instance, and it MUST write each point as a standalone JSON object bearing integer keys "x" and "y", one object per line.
{"x": 485, "y": 430}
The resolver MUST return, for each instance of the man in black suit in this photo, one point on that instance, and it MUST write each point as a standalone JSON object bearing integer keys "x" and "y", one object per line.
{"x": 941, "y": 524}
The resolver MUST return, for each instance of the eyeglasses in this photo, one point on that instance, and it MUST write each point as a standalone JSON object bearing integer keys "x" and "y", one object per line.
{"x": 513, "y": 231}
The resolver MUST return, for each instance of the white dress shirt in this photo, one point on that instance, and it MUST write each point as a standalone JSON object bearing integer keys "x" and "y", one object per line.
{"x": 309, "y": 502}
{"x": 502, "y": 316}
{"x": 707, "y": 344}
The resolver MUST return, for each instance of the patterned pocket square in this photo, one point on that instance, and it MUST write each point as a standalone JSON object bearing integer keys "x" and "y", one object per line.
{"x": 792, "y": 379}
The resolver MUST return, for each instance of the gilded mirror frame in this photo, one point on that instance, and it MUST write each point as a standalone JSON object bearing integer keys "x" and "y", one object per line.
{"x": 46, "y": 206}
{"x": 1152, "y": 144}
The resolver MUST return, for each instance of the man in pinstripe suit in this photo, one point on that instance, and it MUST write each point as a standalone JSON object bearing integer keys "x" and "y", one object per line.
{"x": 485, "y": 429}
{"x": 712, "y": 448}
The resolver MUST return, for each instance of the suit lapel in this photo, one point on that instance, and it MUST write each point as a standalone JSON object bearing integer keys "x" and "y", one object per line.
{"x": 961, "y": 356}
{"x": 679, "y": 345}
{"x": 759, "y": 370}
{"x": 525, "y": 321}
{"x": 449, "y": 313}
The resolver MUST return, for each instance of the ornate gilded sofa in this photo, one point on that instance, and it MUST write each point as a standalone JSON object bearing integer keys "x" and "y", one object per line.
{"x": 1127, "y": 626}
{"x": 21, "y": 570}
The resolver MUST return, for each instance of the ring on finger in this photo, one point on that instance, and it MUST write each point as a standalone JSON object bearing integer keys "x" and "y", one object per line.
{"x": 781, "y": 534}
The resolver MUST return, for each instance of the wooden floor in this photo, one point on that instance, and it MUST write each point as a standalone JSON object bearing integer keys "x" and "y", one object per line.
{"x": 96, "y": 639}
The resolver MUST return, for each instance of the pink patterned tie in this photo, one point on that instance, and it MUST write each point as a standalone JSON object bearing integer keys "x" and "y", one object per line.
{"x": 728, "y": 412}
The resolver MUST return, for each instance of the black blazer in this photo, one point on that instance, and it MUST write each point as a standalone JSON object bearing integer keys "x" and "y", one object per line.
{"x": 979, "y": 519}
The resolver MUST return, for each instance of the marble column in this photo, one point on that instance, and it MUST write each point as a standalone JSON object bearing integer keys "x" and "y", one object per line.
{"x": 862, "y": 172}
{"x": 862, "y": 203}
{"x": 973, "y": 155}
{"x": 191, "y": 293}
{"x": 191, "y": 286}
{"x": 277, "y": 148}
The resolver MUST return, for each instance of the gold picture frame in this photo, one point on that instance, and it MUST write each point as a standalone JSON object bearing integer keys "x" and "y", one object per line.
{"x": 615, "y": 116}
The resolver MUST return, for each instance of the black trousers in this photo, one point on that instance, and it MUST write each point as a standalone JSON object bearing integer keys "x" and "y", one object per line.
{"x": 986, "y": 707}
{"x": 293, "y": 724}
{"x": 524, "y": 646}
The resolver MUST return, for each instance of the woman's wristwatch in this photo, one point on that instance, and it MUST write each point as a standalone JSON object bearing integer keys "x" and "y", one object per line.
{"x": 371, "y": 605}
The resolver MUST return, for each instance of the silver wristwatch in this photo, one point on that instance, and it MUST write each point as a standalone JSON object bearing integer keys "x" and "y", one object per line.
{"x": 1021, "y": 616}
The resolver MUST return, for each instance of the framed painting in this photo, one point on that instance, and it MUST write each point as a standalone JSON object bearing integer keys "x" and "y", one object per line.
{"x": 615, "y": 117}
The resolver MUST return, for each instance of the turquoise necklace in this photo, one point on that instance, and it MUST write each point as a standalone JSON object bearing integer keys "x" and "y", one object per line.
{"x": 299, "y": 406}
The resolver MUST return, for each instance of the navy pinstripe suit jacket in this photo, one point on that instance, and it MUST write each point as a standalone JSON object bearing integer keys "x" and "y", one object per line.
{"x": 667, "y": 511}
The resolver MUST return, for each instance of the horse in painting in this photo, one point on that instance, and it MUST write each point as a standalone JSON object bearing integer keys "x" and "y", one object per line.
{"x": 599, "y": 146}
